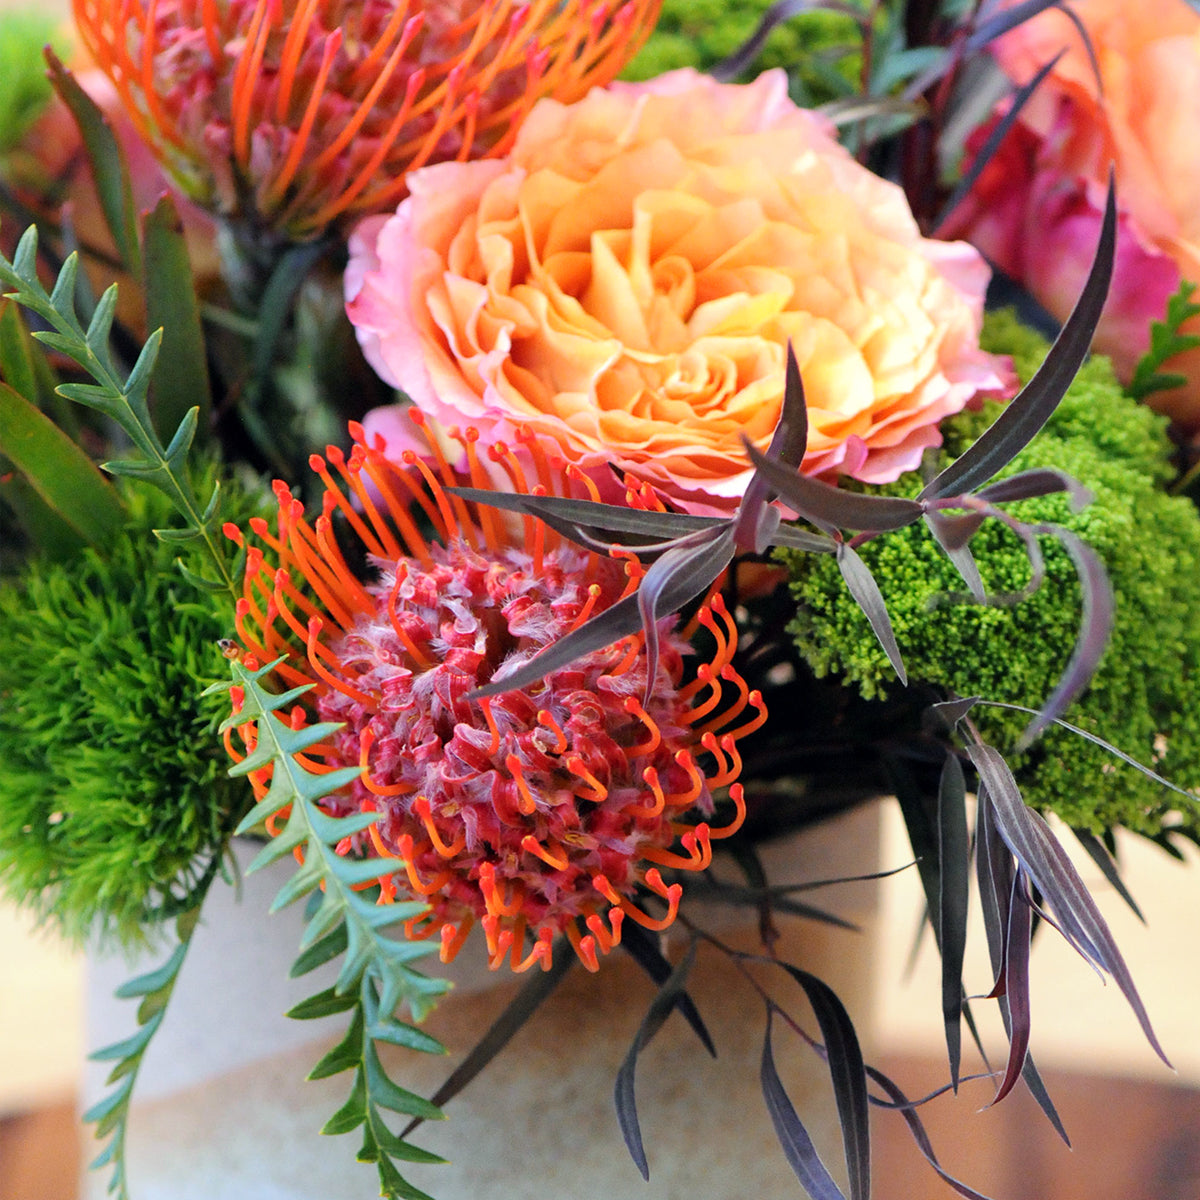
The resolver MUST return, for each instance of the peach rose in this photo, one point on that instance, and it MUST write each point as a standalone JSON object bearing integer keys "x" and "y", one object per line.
{"x": 626, "y": 281}
{"x": 1037, "y": 212}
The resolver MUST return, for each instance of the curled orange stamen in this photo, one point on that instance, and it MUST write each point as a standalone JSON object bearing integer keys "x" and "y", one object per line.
{"x": 737, "y": 795}
{"x": 424, "y": 811}
{"x": 453, "y": 938}
{"x": 526, "y": 804}
{"x": 531, "y": 845}
{"x": 596, "y": 792}
{"x": 547, "y": 719}
{"x": 633, "y": 706}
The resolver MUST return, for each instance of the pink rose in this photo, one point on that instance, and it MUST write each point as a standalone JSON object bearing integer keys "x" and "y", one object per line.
{"x": 625, "y": 282}
{"x": 1036, "y": 210}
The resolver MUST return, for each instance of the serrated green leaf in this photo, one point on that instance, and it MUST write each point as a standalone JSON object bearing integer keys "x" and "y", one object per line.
{"x": 109, "y": 169}
{"x": 304, "y": 879}
{"x": 104, "y": 1107}
{"x": 181, "y": 443}
{"x": 181, "y": 378}
{"x": 58, "y": 470}
{"x": 317, "y": 955}
{"x": 353, "y": 1113}
{"x": 397, "y": 1033}
{"x": 123, "y": 1049}
{"x": 100, "y": 326}
{"x": 396, "y": 1147}
{"x": 175, "y": 537}
{"x": 346, "y": 1055}
{"x": 201, "y": 582}
{"x": 110, "y": 1114}
{"x": 391, "y": 1096}
{"x": 153, "y": 981}
{"x": 62, "y": 297}
{"x": 324, "y": 1004}
{"x": 395, "y": 1187}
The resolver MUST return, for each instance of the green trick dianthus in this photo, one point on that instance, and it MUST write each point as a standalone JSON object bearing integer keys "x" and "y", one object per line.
{"x": 819, "y": 49}
{"x": 1145, "y": 697}
{"x": 114, "y": 797}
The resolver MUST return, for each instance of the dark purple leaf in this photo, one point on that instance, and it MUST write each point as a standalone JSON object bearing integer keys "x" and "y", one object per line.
{"x": 1098, "y": 741}
{"x": 1016, "y": 988}
{"x": 527, "y": 1001}
{"x": 1040, "y": 481}
{"x": 831, "y": 508}
{"x": 907, "y": 1110}
{"x": 743, "y": 59}
{"x": 996, "y": 877}
{"x": 848, "y": 1073}
{"x": 1027, "y": 412}
{"x": 954, "y": 870}
{"x": 755, "y": 522}
{"x": 623, "y": 1092}
{"x": 798, "y": 1147}
{"x": 994, "y": 872}
{"x": 994, "y": 139}
{"x": 1095, "y": 628}
{"x": 950, "y": 712}
{"x": 1049, "y": 869}
{"x": 690, "y": 560}
{"x": 954, "y": 530}
{"x": 1009, "y": 18}
{"x": 600, "y": 519}
{"x": 643, "y": 949}
{"x": 953, "y": 534}
{"x": 869, "y": 598}
{"x": 621, "y": 620}
{"x": 802, "y": 539}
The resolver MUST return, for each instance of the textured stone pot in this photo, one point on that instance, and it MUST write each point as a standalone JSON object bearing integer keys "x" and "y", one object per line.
{"x": 223, "y": 1111}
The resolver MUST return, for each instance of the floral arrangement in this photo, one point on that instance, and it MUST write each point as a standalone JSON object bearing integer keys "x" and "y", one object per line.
{"x": 503, "y": 487}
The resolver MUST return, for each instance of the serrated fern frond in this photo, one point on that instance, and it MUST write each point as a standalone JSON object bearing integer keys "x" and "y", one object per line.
{"x": 1165, "y": 342}
{"x": 375, "y": 974}
{"x": 111, "y": 1114}
{"x": 124, "y": 401}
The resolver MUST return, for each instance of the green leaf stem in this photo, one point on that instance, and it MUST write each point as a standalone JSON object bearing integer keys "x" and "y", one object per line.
{"x": 122, "y": 400}
{"x": 375, "y": 975}
{"x": 111, "y": 1114}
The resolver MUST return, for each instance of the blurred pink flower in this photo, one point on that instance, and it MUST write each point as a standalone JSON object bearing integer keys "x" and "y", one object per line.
{"x": 625, "y": 282}
{"x": 1036, "y": 209}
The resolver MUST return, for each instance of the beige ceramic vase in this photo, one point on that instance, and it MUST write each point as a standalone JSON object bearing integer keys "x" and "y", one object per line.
{"x": 224, "y": 1112}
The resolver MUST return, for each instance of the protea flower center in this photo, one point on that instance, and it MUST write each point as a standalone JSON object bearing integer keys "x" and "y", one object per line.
{"x": 541, "y": 810}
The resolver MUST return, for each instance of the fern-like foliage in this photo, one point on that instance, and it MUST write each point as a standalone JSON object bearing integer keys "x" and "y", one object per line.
{"x": 123, "y": 400}
{"x": 1165, "y": 342}
{"x": 375, "y": 976}
{"x": 111, "y": 1115}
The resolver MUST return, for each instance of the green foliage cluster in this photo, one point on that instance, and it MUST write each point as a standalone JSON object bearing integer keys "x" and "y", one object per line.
{"x": 701, "y": 33}
{"x": 1145, "y": 697}
{"x": 114, "y": 797}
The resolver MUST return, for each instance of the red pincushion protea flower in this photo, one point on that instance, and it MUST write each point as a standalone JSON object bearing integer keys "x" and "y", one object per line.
{"x": 292, "y": 114}
{"x": 536, "y": 811}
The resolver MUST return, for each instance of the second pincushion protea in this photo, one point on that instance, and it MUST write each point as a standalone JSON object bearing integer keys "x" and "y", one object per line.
{"x": 290, "y": 114}
{"x": 541, "y": 810}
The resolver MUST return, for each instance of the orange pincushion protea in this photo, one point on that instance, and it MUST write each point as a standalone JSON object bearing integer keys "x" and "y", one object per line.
{"x": 537, "y": 811}
{"x": 292, "y": 114}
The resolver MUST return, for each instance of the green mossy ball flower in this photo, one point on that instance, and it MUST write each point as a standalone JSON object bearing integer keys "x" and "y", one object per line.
{"x": 820, "y": 50}
{"x": 114, "y": 796}
{"x": 1145, "y": 697}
